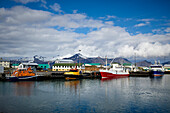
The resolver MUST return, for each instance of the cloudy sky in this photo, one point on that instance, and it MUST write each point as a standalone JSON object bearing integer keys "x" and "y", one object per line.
{"x": 116, "y": 28}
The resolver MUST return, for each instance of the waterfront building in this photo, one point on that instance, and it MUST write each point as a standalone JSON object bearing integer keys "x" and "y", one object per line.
{"x": 67, "y": 66}
{"x": 128, "y": 66}
{"x": 5, "y": 63}
{"x": 92, "y": 67}
{"x": 15, "y": 65}
{"x": 144, "y": 68}
{"x": 27, "y": 65}
{"x": 44, "y": 66}
{"x": 167, "y": 67}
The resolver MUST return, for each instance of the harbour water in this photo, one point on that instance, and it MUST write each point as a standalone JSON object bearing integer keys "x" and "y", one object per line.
{"x": 121, "y": 95}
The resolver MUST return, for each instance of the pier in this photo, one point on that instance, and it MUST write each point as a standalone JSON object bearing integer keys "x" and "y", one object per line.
{"x": 60, "y": 75}
{"x": 56, "y": 75}
{"x": 139, "y": 74}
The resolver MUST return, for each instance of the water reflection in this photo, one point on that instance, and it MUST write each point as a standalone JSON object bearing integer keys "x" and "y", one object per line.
{"x": 116, "y": 77}
{"x": 23, "y": 88}
{"x": 127, "y": 94}
{"x": 73, "y": 85}
{"x": 156, "y": 81}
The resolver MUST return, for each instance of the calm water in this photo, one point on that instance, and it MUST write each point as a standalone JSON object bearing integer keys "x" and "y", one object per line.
{"x": 133, "y": 94}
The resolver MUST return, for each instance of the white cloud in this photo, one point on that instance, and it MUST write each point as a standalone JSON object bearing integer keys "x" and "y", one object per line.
{"x": 26, "y": 1}
{"x": 75, "y": 11}
{"x": 20, "y": 15}
{"x": 156, "y": 30}
{"x": 142, "y": 24}
{"x": 26, "y": 32}
{"x": 110, "y": 17}
{"x": 167, "y": 29}
{"x": 74, "y": 21}
{"x": 56, "y": 7}
{"x": 146, "y": 20}
{"x": 109, "y": 22}
{"x": 145, "y": 49}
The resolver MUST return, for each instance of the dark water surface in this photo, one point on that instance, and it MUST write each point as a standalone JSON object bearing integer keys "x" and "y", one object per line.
{"x": 127, "y": 95}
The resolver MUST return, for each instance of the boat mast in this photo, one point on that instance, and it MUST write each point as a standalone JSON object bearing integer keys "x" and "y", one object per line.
{"x": 106, "y": 62}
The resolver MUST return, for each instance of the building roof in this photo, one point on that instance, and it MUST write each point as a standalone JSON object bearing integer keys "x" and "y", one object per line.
{"x": 127, "y": 64}
{"x": 43, "y": 64}
{"x": 167, "y": 65}
{"x": 93, "y": 64}
{"x": 67, "y": 64}
{"x": 15, "y": 64}
{"x": 30, "y": 64}
{"x": 3, "y": 60}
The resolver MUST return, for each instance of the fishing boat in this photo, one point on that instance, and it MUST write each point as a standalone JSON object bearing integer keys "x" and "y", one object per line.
{"x": 73, "y": 73}
{"x": 156, "y": 70}
{"x": 22, "y": 74}
{"x": 116, "y": 70}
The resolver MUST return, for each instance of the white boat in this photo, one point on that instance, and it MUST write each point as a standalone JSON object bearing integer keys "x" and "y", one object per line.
{"x": 156, "y": 70}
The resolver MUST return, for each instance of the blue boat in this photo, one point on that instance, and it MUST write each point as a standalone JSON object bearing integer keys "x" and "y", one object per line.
{"x": 156, "y": 70}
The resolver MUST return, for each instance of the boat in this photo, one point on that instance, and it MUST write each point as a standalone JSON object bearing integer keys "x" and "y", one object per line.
{"x": 156, "y": 70}
{"x": 116, "y": 70}
{"x": 73, "y": 74}
{"x": 22, "y": 74}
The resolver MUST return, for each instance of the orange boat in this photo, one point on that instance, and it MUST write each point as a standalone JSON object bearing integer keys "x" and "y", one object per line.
{"x": 22, "y": 74}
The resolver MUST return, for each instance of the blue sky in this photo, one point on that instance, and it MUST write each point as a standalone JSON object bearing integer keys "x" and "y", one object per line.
{"x": 97, "y": 27}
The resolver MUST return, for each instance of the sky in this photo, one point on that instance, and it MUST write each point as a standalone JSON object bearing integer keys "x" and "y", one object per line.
{"x": 112, "y": 28}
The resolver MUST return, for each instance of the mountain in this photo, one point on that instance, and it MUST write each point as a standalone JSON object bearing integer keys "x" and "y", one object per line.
{"x": 121, "y": 60}
{"x": 79, "y": 57}
{"x": 39, "y": 60}
{"x": 166, "y": 63}
{"x": 144, "y": 63}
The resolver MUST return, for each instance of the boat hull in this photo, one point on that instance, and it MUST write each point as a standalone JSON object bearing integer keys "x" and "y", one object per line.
{"x": 157, "y": 74}
{"x": 71, "y": 76}
{"x": 112, "y": 74}
{"x": 22, "y": 78}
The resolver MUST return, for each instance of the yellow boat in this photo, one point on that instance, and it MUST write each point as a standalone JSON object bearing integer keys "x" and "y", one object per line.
{"x": 73, "y": 74}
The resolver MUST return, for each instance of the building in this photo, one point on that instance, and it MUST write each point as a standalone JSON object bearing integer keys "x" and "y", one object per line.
{"x": 5, "y": 63}
{"x": 29, "y": 64}
{"x": 92, "y": 67}
{"x": 44, "y": 66}
{"x": 129, "y": 66}
{"x": 167, "y": 67}
{"x": 15, "y": 65}
{"x": 67, "y": 66}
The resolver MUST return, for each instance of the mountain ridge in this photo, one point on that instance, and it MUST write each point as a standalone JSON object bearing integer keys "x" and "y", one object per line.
{"x": 77, "y": 58}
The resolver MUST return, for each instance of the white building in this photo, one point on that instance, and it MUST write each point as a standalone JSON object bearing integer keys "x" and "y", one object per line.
{"x": 5, "y": 64}
{"x": 167, "y": 67}
{"x": 27, "y": 65}
{"x": 66, "y": 66}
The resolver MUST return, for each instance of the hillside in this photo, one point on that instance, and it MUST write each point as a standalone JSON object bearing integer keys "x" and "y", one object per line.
{"x": 144, "y": 63}
{"x": 79, "y": 57}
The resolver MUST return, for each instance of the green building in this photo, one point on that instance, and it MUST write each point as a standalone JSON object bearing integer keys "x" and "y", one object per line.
{"x": 44, "y": 66}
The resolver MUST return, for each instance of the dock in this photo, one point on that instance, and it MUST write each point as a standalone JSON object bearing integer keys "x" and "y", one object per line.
{"x": 139, "y": 74}
{"x": 50, "y": 75}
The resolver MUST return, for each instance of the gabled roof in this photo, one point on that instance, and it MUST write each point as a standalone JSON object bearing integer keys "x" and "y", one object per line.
{"x": 30, "y": 64}
{"x": 127, "y": 64}
{"x": 93, "y": 64}
{"x": 66, "y": 64}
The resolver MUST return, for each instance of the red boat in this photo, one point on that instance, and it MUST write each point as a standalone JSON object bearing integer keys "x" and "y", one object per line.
{"x": 116, "y": 70}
